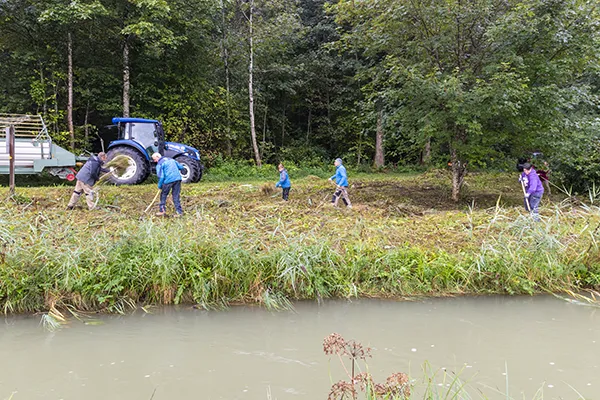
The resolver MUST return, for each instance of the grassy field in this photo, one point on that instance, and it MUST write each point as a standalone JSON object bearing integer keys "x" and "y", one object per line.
{"x": 238, "y": 244}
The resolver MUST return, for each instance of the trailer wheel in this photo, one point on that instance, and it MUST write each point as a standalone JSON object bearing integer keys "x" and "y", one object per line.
{"x": 137, "y": 171}
{"x": 191, "y": 169}
{"x": 67, "y": 173}
{"x": 71, "y": 176}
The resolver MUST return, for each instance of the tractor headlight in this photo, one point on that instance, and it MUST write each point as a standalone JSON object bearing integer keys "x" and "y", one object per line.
{"x": 197, "y": 155}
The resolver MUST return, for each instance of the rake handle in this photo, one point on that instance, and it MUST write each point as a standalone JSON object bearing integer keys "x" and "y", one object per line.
{"x": 525, "y": 195}
{"x": 153, "y": 200}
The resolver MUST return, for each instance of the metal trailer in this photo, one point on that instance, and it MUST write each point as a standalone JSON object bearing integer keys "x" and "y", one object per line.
{"x": 34, "y": 149}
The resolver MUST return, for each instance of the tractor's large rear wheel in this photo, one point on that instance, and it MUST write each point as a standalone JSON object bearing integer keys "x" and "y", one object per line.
{"x": 137, "y": 171}
{"x": 191, "y": 172}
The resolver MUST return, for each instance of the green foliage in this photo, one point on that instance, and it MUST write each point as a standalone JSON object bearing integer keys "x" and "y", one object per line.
{"x": 68, "y": 13}
{"x": 486, "y": 81}
{"x": 225, "y": 170}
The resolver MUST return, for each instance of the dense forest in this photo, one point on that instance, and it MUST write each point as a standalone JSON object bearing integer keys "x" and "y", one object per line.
{"x": 467, "y": 83}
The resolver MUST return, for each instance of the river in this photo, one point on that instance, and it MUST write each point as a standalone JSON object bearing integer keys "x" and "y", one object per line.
{"x": 536, "y": 343}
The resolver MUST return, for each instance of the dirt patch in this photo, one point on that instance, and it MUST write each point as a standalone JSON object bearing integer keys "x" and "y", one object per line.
{"x": 410, "y": 198}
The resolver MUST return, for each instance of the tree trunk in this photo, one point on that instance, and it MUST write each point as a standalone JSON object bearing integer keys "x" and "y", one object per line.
{"x": 86, "y": 128}
{"x": 43, "y": 83}
{"x": 379, "y": 154}
{"x": 225, "y": 55}
{"x": 265, "y": 125}
{"x": 459, "y": 170}
{"x": 328, "y": 110}
{"x": 426, "y": 157}
{"x": 56, "y": 83}
{"x": 283, "y": 127}
{"x": 251, "y": 89}
{"x": 309, "y": 124}
{"x": 126, "y": 80}
{"x": 70, "y": 90}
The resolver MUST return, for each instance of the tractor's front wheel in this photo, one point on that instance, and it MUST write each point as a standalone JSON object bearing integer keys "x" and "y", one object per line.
{"x": 200, "y": 171}
{"x": 191, "y": 169}
{"x": 136, "y": 172}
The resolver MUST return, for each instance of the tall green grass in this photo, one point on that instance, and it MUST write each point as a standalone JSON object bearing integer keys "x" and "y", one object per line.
{"x": 52, "y": 261}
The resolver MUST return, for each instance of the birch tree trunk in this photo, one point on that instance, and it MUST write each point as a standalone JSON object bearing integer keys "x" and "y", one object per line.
{"x": 225, "y": 55}
{"x": 251, "y": 88}
{"x": 70, "y": 90}
{"x": 126, "y": 78}
{"x": 43, "y": 83}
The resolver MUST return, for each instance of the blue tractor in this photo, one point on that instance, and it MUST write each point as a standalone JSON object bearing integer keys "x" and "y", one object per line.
{"x": 137, "y": 139}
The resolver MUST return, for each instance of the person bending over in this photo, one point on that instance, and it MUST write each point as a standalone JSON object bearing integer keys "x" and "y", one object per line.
{"x": 169, "y": 180}
{"x": 87, "y": 177}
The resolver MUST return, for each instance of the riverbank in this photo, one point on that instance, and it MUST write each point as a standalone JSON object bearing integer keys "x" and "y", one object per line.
{"x": 236, "y": 244}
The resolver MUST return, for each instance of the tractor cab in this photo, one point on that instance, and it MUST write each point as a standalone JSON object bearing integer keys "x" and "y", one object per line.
{"x": 147, "y": 133}
{"x": 138, "y": 139}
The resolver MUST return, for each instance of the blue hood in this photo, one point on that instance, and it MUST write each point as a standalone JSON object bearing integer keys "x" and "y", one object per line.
{"x": 192, "y": 152}
{"x": 124, "y": 120}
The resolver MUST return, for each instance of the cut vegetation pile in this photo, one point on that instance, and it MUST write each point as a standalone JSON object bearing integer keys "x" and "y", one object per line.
{"x": 119, "y": 165}
{"x": 403, "y": 238}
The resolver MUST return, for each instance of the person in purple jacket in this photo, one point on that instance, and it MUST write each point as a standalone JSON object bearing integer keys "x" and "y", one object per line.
{"x": 533, "y": 188}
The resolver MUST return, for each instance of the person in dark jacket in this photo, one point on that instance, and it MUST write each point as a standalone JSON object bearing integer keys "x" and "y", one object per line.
{"x": 533, "y": 189}
{"x": 284, "y": 182}
{"x": 87, "y": 177}
{"x": 169, "y": 180}
{"x": 543, "y": 174}
{"x": 341, "y": 181}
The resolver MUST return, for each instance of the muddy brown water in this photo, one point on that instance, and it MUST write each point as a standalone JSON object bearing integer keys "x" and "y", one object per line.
{"x": 546, "y": 345}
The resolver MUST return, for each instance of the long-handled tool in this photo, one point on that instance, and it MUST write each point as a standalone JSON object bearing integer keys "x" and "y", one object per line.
{"x": 153, "y": 200}
{"x": 525, "y": 195}
{"x": 96, "y": 196}
{"x": 322, "y": 202}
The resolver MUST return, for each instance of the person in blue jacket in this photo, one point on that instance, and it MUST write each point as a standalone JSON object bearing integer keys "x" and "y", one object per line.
{"x": 284, "y": 182}
{"x": 169, "y": 180}
{"x": 341, "y": 181}
{"x": 533, "y": 189}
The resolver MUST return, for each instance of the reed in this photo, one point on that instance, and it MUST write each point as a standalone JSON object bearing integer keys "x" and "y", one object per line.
{"x": 118, "y": 165}
{"x": 403, "y": 238}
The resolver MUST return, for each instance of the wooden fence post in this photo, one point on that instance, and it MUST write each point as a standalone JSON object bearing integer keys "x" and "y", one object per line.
{"x": 10, "y": 140}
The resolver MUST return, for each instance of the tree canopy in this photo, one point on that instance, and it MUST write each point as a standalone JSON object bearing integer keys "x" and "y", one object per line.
{"x": 473, "y": 83}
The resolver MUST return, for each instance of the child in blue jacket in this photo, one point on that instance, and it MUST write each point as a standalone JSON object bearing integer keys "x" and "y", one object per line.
{"x": 284, "y": 182}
